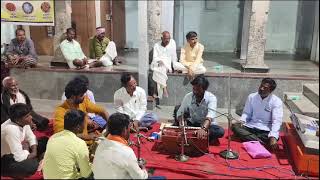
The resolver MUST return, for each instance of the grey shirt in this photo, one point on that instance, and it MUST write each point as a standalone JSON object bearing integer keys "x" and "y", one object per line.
{"x": 198, "y": 112}
{"x": 24, "y": 49}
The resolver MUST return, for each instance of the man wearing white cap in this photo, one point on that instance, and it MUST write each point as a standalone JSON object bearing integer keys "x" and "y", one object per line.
{"x": 102, "y": 49}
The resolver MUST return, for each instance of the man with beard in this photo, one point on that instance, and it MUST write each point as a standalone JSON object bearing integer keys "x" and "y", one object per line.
{"x": 102, "y": 49}
{"x": 21, "y": 52}
{"x": 114, "y": 159}
{"x": 73, "y": 53}
{"x": 11, "y": 95}
{"x": 76, "y": 99}
{"x": 262, "y": 116}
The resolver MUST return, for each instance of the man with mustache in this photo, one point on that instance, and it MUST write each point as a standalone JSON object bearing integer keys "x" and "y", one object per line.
{"x": 262, "y": 116}
{"x": 11, "y": 95}
{"x": 76, "y": 99}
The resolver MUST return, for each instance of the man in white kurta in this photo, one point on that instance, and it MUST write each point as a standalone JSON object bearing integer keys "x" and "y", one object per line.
{"x": 164, "y": 54}
{"x": 191, "y": 56}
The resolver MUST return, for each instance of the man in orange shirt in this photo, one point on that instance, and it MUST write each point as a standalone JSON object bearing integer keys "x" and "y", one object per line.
{"x": 76, "y": 99}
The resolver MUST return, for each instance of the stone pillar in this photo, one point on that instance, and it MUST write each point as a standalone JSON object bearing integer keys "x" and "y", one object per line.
{"x": 257, "y": 39}
{"x": 143, "y": 65}
{"x": 245, "y": 29}
{"x": 315, "y": 39}
{"x": 154, "y": 22}
{"x": 62, "y": 23}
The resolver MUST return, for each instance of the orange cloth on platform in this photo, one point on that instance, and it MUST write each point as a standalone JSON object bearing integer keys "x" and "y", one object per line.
{"x": 118, "y": 139}
{"x": 86, "y": 106}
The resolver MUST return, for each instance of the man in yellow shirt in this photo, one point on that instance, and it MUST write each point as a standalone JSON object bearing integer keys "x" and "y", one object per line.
{"x": 76, "y": 99}
{"x": 191, "y": 56}
{"x": 67, "y": 156}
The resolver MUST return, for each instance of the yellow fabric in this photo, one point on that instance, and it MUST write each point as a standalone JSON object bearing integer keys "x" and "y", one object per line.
{"x": 65, "y": 154}
{"x": 118, "y": 139}
{"x": 86, "y": 106}
{"x": 191, "y": 57}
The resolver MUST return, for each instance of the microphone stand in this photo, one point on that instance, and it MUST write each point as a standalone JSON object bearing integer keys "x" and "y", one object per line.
{"x": 182, "y": 157}
{"x": 141, "y": 161}
{"x": 228, "y": 153}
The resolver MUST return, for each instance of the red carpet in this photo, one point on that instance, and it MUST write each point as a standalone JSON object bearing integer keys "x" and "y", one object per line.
{"x": 211, "y": 165}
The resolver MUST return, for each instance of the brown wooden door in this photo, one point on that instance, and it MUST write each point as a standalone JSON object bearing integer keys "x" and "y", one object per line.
{"x": 42, "y": 43}
{"x": 84, "y": 18}
{"x": 115, "y": 28}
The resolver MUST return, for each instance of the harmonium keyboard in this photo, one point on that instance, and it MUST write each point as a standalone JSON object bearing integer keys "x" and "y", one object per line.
{"x": 171, "y": 141}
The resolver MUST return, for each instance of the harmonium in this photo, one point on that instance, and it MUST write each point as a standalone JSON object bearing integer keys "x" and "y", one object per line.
{"x": 171, "y": 140}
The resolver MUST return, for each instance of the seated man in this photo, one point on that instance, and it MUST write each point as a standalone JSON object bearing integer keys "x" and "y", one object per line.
{"x": 191, "y": 56}
{"x": 198, "y": 109}
{"x": 76, "y": 99}
{"x": 20, "y": 151}
{"x": 131, "y": 100}
{"x": 98, "y": 123}
{"x": 164, "y": 54}
{"x": 12, "y": 95}
{"x": 262, "y": 116}
{"x": 73, "y": 53}
{"x": 102, "y": 49}
{"x": 67, "y": 156}
{"x": 114, "y": 159}
{"x": 21, "y": 52}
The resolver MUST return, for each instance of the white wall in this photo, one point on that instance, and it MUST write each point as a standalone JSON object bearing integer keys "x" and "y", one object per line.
{"x": 131, "y": 8}
{"x": 217, "y": 29}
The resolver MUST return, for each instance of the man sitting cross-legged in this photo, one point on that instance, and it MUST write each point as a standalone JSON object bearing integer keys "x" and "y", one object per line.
{"x": 20, "y": 150}
{"x": 11, "y": 95}
{"x": 191, "y": 56}
{"x": 96, "y": 121}
{"x": 102, "y": 49}
{"x": 131, "y": 100}
{"x": 67, "y": 156}
{"x": 114, "y": 159}
{"x": 262, "y": 116}
{"x": 76, "y": 99}
{"x": 73, "y": 53}
{"x": 198, "y": 109}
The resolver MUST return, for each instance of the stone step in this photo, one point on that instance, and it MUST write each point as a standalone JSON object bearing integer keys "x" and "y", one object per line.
{"x": 301, "y": 104}
{"x": 311, "y": 91}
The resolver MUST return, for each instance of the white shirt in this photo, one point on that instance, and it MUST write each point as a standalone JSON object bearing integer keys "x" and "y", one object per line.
{"x": 264, "y": 114}
{"x": 71, "y": 51}
{"x": 12, "y": 136}
{"x": 134, "y": 106}
{"x": 198, "y": 113}
{"x": 19, "y": 99}
{"x": 167, "y": 54}
{"x": 114, "y": 160}
{"x": 89, "y": 94}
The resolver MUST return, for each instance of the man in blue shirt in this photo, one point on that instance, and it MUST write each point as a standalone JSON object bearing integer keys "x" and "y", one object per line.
{"x": 198, "y": 109}
{"x": 262, "y": 116}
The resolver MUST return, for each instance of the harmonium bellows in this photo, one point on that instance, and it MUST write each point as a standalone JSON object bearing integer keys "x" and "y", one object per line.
{"x": 171, "y": 140}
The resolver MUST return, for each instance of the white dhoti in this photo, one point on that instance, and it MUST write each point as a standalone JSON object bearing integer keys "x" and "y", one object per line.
{"x": 111, "y": 53}
{"x": 198, "y": 69}
{"x": 160, "y": 74}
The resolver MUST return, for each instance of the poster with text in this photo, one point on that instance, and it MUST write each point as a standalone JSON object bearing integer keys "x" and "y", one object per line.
{"x": 37, "y": 13}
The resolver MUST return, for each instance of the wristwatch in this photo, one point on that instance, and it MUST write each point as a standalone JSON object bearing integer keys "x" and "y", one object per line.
{"x": 204, "y": 128}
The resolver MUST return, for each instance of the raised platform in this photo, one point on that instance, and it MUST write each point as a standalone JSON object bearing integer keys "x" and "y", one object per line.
{"x": 49, "y": 83}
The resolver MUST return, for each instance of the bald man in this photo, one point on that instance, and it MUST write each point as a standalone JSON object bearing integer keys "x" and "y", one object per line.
{"x": 10, "y": 95}
{"x": 164, "y": 57}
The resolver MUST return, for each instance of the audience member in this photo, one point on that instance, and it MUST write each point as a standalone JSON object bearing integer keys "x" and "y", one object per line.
{"x": 10, "y": 95}
{"x": 102, "y": 49}
{"x": 20, "y": 150}
{"x": 114, "y": 159}
{"x": 21, "y": 52}
{"x": 67, "y": 156}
